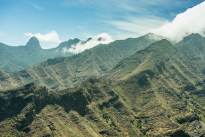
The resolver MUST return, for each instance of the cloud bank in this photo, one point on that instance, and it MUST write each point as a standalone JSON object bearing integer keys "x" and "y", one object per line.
{"x": 49, "y": 40}
{"x": 190, "y": 21}
{"x": 103, "y": 38}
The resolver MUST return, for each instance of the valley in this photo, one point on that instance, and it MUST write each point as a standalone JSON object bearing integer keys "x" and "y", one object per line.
{"x": 147, "y": 88}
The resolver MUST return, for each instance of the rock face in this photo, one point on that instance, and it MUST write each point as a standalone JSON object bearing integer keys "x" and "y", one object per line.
{"x": 157, "y": 91}
{"x": 33, "y": 43}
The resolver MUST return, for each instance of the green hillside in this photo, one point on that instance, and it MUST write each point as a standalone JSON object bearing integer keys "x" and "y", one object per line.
{"x": 151, "y": 90}
{"x": 61, "y": 73}
{"x": 21, "y": 57}
{"x": 162, "y": 90}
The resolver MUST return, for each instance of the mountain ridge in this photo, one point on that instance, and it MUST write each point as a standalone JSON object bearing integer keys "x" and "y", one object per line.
{"x": 146, "y": 90}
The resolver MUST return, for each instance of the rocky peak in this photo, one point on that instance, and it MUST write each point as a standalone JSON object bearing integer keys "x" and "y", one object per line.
{"x": 33, "y": 42}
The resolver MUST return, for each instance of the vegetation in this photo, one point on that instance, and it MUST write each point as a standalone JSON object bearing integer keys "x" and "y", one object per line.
{"x": 116, "y": 90}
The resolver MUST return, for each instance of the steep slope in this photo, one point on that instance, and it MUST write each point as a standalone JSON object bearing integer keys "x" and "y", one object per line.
{"x": 144, "y": 59}
{"x": 66, "y": 72}
{"x": 103, "y": 38}
{"x": 92, "y": 109}
{"x": 16, "y": 58}
{"x": 21, "y": 57}
{"x": 193, "y": 48}
{"x": 155, "y": 92}
{"x": 163, "y": 89}
{"x": 153, "y": 99}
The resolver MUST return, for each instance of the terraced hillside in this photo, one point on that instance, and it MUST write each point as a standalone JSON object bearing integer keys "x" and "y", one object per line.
{"x": 157, "y": 91}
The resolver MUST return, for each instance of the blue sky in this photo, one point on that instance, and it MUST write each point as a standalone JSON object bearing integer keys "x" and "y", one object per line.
{"x": 84, "y": 18}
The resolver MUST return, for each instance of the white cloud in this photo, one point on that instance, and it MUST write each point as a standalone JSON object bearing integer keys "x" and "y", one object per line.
{"x": 103, "y": 38}
{"x": 190, "y": 21}
{"x": 49, "y": 40}
{"x": 138, "y": 26}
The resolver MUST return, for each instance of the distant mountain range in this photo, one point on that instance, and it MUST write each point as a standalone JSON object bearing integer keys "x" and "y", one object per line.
{"x": 21, "y": 57}
{"x": 64, "y": 72}
{"x": 16, "y": 58}
{"x": 137, "y": 87}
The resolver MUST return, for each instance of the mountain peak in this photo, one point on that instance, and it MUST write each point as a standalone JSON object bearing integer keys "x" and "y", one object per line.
{"x": 161, "y": 46}
{"x": 153, "y": 36}
{"x": 193, "y": 39}
{"x": 193, "y": 36}
{"x": 75, "y": 40}
{"x": 88, "y": 39}
{"x": 68, "y": 43}
{"x": 164, "y": 41}
{"x": 102, "y": 38}
{"x": 33, "y": 42}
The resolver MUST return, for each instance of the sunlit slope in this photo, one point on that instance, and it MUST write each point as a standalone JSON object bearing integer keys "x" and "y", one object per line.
{"x": 157, "y": 91}
{"x": 164, "y": 90}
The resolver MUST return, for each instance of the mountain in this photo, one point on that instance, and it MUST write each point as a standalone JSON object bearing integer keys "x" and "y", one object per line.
{"x": 69, "y": 43}
{"x": 92, "y": 109}
{"x": 134, "y": 87}
{"x": 193, "y": 43}
{"x": 144, "y": 59}
{"x": 17, "y": 58}
{"x": 163, "y": 89}
{"x": 76, "y": 46}
{"x": 64, "y": 46}
{"x": 33, "y": 43}
{"x": 21, "y": 57}
{"x": 103, "y": 38}
{"x": 66, "y": 72}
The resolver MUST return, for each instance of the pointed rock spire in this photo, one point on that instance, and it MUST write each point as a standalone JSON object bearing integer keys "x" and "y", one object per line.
{"x": 33, "y": 42}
